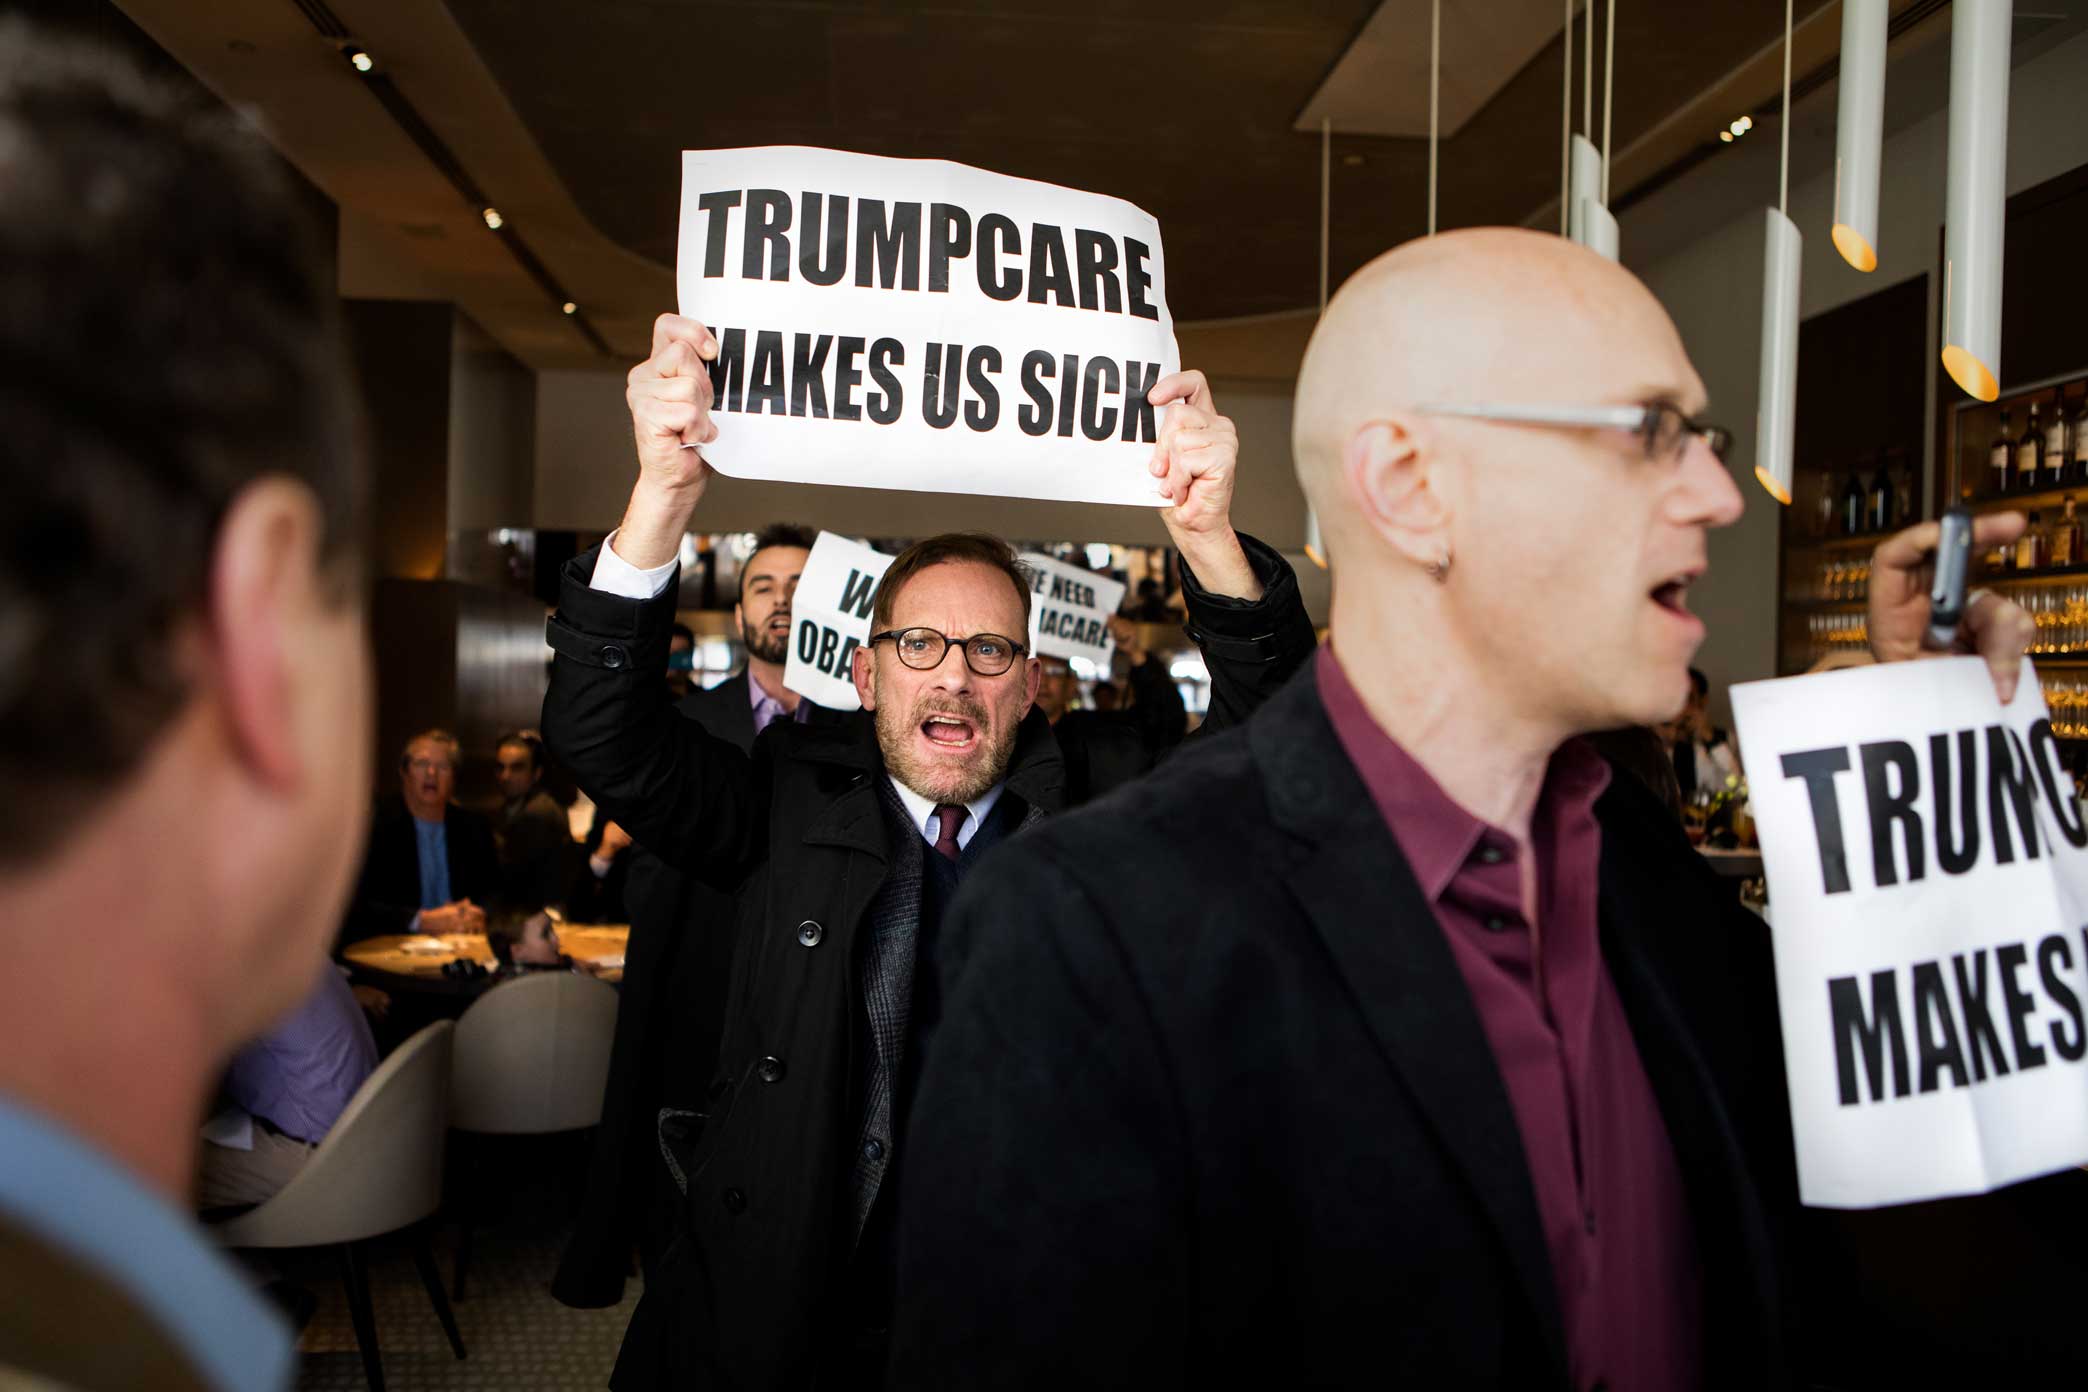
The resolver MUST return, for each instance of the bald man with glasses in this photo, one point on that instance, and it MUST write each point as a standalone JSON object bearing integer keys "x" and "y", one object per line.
{"x": 1411, "y": 1047}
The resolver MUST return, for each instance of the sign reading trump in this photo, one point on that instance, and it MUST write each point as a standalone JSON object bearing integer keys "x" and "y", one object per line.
{"x": 919, "y": 324}
{"x": 1928, "y": 878}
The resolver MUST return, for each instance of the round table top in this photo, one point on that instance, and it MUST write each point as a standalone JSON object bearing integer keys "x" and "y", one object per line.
{"x": 422, "y": 955}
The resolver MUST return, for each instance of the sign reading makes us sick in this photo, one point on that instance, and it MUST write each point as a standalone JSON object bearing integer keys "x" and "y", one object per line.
{"x": 919, "y": 324}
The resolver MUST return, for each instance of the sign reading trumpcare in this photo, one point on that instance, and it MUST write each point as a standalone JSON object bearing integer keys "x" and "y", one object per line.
{"x": 1928, "y": 877}
{"x": 830, "y": 619}
{"x": 1070, "y": 608}
{"x": 918, "y": 324}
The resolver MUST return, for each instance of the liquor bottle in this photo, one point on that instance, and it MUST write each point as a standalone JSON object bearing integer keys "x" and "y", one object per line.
{"x": 2029, "y": 449}
{"x": 2029, "y": 551}
{"x": 1882, "y": 510}
{"x": 2053, "y": 474}
{"x": 1853, "y": 506}
{"x": 2077, "y": 441}
{"x": 2001, "y": 455}
{"x": 2065, "y": 547}
{"x": 1903, "y": 487}
{"x": 1823, "y": 510}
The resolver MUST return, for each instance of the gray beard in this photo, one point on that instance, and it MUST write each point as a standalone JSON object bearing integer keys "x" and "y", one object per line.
{"x": 952, "y": 787}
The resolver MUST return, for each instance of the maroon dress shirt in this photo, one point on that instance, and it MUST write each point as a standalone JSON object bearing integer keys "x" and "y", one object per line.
{"x": 1608, "y": 1189}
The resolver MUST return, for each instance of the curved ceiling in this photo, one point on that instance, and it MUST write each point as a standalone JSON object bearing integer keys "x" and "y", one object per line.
{"x": 1186, "y": 109}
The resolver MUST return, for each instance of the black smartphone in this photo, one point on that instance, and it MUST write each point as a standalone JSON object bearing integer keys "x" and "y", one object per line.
{"x": 1953, "y": 569}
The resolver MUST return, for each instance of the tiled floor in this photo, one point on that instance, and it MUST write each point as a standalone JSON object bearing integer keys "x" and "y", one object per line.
{"x": 515, "y": 1335}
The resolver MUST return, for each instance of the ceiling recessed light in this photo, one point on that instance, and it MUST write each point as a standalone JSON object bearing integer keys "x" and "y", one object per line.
{"x": 569, "y": 308}
{"x": 492, "y": 217}
{"x": 359, "y": 60}
{"x": 1726, "y": 136}
{"x": 1352, "y": 160}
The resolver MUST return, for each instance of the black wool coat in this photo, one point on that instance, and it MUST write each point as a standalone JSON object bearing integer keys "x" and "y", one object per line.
{"x": 793, "y": 830}
{"x": 1210, "y": 1105}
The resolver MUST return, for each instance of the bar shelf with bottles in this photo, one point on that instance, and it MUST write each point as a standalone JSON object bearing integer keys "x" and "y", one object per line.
{"x": 2027, "y": 451}
{"x": 1845, "y": 512}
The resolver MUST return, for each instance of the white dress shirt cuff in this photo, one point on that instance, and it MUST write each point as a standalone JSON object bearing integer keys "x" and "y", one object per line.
{"x": 615, "y": 575}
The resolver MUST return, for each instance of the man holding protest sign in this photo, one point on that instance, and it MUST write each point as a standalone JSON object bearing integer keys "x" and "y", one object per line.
{"x": 1412, "y": 1047}
{"x": 841, "y": 841}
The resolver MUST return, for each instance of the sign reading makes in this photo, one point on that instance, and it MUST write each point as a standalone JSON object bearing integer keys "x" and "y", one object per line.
{"x": 1928, "y": 876}
{"x": 920, "y": 324}
{"x": 830, "y": 619}
{"x": 1070, "y": 608}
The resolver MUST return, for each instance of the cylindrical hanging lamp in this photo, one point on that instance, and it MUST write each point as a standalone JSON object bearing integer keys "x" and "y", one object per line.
{"x": 1584, "y": 187}
{"x": 1776, "y": 405}
{"x": 1315, "y": 549}
{"x": 1972, "y": 230}
{"x": 1859, "y": 131}
{"x": 1776, "y": 414}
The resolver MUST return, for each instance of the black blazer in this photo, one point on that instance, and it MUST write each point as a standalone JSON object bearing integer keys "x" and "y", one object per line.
{"x": 1211, "y": 1106}
{"x": 387, "y": 893}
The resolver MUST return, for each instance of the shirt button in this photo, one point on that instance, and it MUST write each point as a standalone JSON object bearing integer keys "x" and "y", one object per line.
{"x": 873, "y": 1149}
{"x": 770, "y": 1069}
{"x": 613, "y": 657}
{"x": 1496, "y": 924}
{"x": 810, "y": 933}
{"x": 1490, "y": 855}
{"x": 734, "y": 1201}
{"x": 1589, "y": 1218}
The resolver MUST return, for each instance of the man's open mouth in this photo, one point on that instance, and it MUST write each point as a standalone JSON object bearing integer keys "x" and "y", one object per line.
{"x": 949, "y": 731}
{"x": 1673, "y": 594}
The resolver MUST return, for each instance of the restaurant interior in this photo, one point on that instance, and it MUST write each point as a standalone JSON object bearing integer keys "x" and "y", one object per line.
{"x": 498, "y": 183}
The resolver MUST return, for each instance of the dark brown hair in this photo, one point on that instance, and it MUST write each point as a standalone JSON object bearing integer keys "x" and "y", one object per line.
{"x": 167, "y": 338}
{"x": 504, "y": 926}
{"x": 978, "y": 548}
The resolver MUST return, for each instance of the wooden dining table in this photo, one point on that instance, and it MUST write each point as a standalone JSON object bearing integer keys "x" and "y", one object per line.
{"x": 418, "y": 958}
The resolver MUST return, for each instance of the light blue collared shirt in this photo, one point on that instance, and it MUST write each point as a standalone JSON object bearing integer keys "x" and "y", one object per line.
{"x": 431, "y": 841}
{"x": 80, "y": 1201}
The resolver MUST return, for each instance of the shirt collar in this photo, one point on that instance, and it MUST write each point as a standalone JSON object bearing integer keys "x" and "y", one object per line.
{"x": 1435, "y": 832}
{"x": 80, "y": 1201}
{"x": 923, "y": 811}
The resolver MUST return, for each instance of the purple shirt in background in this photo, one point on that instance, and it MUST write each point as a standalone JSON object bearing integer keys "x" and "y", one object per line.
{"x": 1608, "y": 1188}
{"x": 767, "y": 708}
{"x": 299, "y": 1076}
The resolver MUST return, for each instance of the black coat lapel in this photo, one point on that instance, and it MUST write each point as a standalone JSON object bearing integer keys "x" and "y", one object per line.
{"x": 1361, "y": 896}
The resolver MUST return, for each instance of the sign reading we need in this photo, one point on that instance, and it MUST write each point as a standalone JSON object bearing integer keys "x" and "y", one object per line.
{"x": 1928, "y": 877}
{"x": 830, "y": 619}
{"x": 924, "y": 325}
{"x": 1070, "y": 609}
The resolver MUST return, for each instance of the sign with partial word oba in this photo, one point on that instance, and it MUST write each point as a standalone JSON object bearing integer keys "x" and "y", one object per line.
{"x": 918, "y": 324}
{"x": 830, "y": 619}
{"x": 1928, "y": 878}
{"x": 1070, "y": 609}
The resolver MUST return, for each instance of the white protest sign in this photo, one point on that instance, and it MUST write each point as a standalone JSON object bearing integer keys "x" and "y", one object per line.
{"x": 830, "y": 619}
{"x": 1928, "y": 876}
{"x": 1070, "y": 608}
{"x": 918, "y": 324}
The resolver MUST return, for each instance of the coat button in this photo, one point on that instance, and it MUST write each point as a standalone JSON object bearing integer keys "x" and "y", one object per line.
{"x": 809, "y": 933}
{"x": 734, "y": 1200}
{"x": 873, "y": 1149}
{"x": 770, "y": 1069}
{"x": 613, "y": 657}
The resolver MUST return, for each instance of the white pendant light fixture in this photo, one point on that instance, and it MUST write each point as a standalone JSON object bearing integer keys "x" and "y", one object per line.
{"x": 1974, "y": 211}
{"x": 1588, "y": 219}
{"x": 1859, "y": 131}
{"x": 1776, "y": 412}
{"x": 1315, "y": 549}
